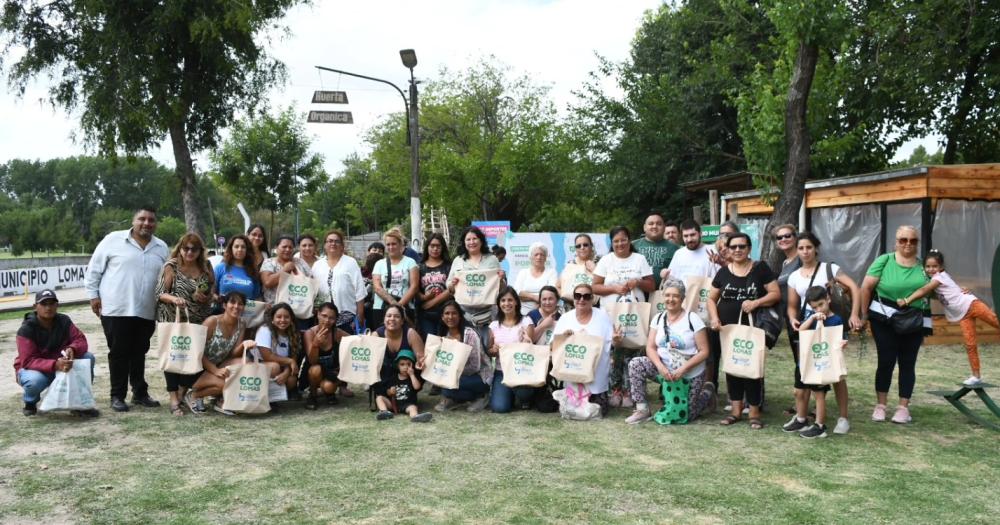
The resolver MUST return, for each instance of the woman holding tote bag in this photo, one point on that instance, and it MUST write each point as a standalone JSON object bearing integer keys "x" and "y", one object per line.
{"x": 282, "y": 262}
{"x": 186, "y": 282}
{"x": 510, "y": 327}
{"x": 593, "y": 321}
{"x": 740, "y": 287}
{"x": 473, "y": 255}
{"x": 398, "y": 337}
{"x": 227, "y": 341}
{"x": 580, "y": 270}
{"x": 477, "y": 376}
{"x": 395, "y": 280}
{"x": 622, "y": 273}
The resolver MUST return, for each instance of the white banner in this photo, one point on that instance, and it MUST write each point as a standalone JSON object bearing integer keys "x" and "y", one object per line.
{"x": 560, "y": 245}
{"x": 15, "y": 281}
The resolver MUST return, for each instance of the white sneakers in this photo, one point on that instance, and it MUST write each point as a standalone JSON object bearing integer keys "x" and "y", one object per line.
{"x": 843, "y": 426}
{"x": 973, "y": 381}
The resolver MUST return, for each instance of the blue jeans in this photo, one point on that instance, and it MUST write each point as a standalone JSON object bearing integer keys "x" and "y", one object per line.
{"x": 469, "y": 388}
{"x": 502, "y": 398}
{"x": 34, "y": 382}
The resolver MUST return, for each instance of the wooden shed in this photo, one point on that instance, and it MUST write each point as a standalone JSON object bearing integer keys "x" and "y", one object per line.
{"x": 956, "y": 208}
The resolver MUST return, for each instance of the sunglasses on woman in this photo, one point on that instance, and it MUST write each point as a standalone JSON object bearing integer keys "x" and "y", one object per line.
{"x": 582, "y": 296}
{"x": 582, "y": 245}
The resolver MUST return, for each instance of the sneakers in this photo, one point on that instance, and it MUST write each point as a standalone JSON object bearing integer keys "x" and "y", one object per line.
{"x": 311, "y": 402}
{"x": 145, "y": 401}
{"x": 795, "y": 425}
{"x": 902, "y": 415}
{"x": 197, "y": 406}
{"x": 118, "y": 404}
{"x": 640, "y": 415}
{"x": 814, "y": 431}
{"x": 444, "y": 405}
{"x": 615, "y": 400}
{"x": 843, "y": 426}
{"x": 878, "y": 415}
{"x": 30, "y": 409}
{"x": 422, "y": 417}
{"x": 973, "y": 381}
{"x": 383, "y": 415}
{"x": 479, "y": 405}
{"x": 217, "y": 406}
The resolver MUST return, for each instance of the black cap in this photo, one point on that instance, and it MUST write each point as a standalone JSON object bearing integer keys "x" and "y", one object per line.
{"x": 45, "y": 295}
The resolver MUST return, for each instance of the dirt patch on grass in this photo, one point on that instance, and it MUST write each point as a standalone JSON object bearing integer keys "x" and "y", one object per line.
{"x": 793, "y": 486}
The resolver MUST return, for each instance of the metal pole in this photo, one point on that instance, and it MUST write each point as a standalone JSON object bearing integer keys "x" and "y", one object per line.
{"x": 416, "y": 224}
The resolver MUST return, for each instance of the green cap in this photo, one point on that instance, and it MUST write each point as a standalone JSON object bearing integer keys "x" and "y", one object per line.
{"x": 406, "y": 354}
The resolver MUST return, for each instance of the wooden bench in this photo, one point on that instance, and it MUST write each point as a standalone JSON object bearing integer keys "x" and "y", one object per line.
{"x": 955, "y": 398}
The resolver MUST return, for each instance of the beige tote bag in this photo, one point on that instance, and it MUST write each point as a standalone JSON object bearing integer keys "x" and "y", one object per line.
{"x": 572, "y": 275}
{"x": 524, "y": 364}
{"x": 361, "y": 358}
{"x": 821, "y": 359}
{"x": 180, "y": 345}
{"x": 743, "y": 350}
{"x": 444, "y": 360}
{"x": 246, "y": 387}
{"x": 696, "y": 296}
{"x": 633, "y": 318}
{"x": 477, "y": 288}
{"x": 298, "y": 291}
{"x": 254, "y": 313}
{"x": 575, "y": 358}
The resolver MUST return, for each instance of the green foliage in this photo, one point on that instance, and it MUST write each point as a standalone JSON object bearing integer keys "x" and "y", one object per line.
{"x": 34, "y": 229}
{"x": 266, "y": 162}
{"x": 170, "y": 229}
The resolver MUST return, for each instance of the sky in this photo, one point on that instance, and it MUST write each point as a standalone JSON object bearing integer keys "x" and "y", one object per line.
{"x": 554, "y": 42}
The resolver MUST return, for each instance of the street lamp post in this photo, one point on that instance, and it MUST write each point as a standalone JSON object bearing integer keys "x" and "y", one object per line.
{"x": 409, "y": 58}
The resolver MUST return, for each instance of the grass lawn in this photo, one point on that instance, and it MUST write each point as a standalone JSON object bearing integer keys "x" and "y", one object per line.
{"x": 338, "y": 465}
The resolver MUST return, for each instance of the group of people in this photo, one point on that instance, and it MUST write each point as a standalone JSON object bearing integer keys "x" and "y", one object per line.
{"x": 134, "y": 280}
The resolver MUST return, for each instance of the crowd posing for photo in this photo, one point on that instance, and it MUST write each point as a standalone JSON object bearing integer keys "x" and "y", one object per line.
{"x": 663, "y": 308}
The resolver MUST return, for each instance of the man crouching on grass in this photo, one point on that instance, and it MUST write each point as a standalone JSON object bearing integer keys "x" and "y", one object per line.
{"x": 47, "y": 342}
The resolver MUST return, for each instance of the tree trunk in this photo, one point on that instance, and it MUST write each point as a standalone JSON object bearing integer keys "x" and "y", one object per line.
{"x": 964, "y": 105}
{"x": 797, "y": 142}
{"x": 185, "y": 172}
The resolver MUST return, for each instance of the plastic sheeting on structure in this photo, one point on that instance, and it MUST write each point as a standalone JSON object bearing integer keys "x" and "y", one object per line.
{"x": 849, "y": 236}
{"x": 967, "y": 233}
{"x": 896, "y": 215}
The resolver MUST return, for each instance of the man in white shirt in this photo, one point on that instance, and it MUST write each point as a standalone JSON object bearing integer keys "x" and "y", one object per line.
{"x": 694, "y": 258}
{"x": 121, "y": 279}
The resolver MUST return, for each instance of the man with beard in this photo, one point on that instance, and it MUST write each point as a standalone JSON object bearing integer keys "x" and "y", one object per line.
{"x": 121, "y": 279}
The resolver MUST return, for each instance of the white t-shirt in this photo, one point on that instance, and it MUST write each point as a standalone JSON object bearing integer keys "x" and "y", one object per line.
{"x": 264, "y": 339}
{"x": 400, "y": 279}
{"x": 347, "y": 284}
{"x": 800, "y": 283}
{"x": 616, "y": 270}
{"x": 527, "y": 283}
{"x": 215, "y": 260}
{"x": 692, "y": 263}
{"x": 681, "y": 344}
{"x": 600, "y": 326}
{"x": 956, "y": 304}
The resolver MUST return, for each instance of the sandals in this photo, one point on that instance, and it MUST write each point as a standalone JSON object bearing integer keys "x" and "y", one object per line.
{"x": 756, "y": 424}
{"x": 729, "y": 420}
{"x": 176, "y": 409}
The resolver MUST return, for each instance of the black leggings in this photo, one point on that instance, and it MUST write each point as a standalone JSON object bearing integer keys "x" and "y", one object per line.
{"x": 175, "y": 381}
{"x": 893, "y": 348}
{"x": 740, "y": 387}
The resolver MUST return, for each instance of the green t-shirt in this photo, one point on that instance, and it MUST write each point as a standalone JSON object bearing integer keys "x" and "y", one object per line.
{"x": 896, "y": 281}
{"x": 657, "y": 254}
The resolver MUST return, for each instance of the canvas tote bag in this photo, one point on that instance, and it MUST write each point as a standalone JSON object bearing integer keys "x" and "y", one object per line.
{"x": 298, "y": 291}
{"x": 575, "y": 357}
{"x": 477, "y": 288}
{"x": 524, "y": 364}
{"x": 444, "y": 360}
{"x": 361, "y": 358}
{"x": 743, "y": 350}
{"x": 246, "y": 387}
{"x": 572, "y": 275}
{"x": 633, "y": 318}
{"x": 180, "y": 345}
{"x": 254, "y": 313}
{"x": 821, "y": 359}
{"x": 696, "y": 296}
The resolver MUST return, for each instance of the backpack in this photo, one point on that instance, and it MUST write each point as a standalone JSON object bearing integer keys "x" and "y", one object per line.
{"x": 840, "y": 296}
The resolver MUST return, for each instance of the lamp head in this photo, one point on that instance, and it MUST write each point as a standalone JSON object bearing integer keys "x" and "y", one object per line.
{"x": 409, "y": 57}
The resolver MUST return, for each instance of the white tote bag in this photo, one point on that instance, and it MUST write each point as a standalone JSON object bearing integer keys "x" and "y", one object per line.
{"x": 254, "y": 313}
{"x": 70, "y": 390}
{"x": 743, "y": 350}
{"x": 524, "y": 364}
{"x": 821, "y": 359}
{"x": 180, "y": 345}
{"x": 298, "y": 291}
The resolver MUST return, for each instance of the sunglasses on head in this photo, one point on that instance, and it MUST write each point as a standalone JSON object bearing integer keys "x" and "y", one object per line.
{"x": 582, "y": 296}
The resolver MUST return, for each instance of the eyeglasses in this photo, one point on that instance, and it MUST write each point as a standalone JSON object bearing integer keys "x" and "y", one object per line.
{"x": 334, "y": 242}
{"x": 907, "y": 240}
{"x": 783, "y": 236}
{"x": 738, "y": 246}
{"x": 191, "y": 249}
{"x": 583, "y": 296}
{"x": 582, "y": 245}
